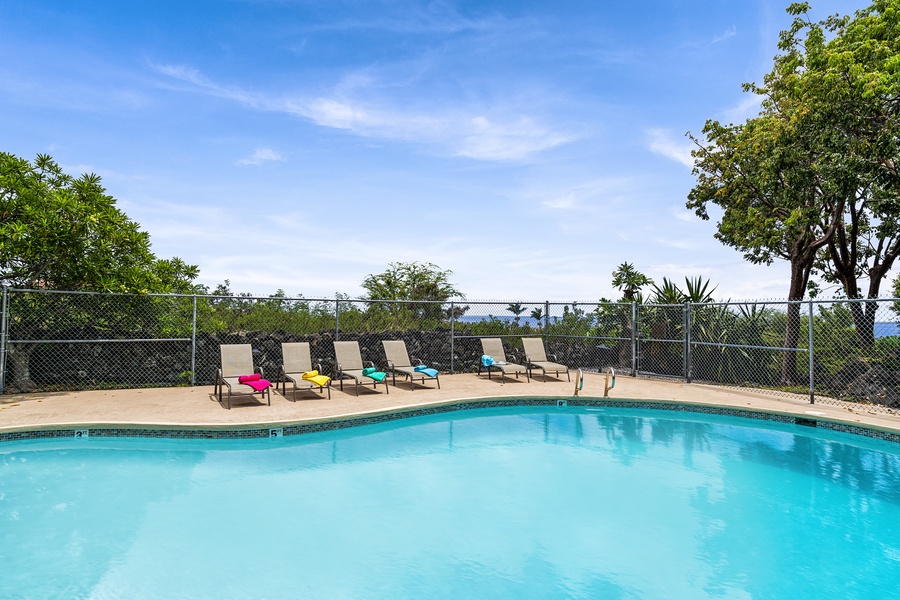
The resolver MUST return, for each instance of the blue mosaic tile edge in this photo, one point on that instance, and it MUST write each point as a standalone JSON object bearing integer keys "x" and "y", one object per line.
{"x": 300, "y": 429}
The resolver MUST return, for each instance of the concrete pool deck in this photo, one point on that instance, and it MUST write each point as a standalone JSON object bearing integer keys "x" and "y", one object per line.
{"x": 196, "y": 407}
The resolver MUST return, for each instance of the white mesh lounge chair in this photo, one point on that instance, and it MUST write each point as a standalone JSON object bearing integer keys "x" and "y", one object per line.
{"x": 536, "y": 358}
{"x": 237, "y": 360}
{"x": 350, "y": 366}
{"x": 398, "y": 362}
{"x": 296, "y": 361}
{"x": 494, "y": 347}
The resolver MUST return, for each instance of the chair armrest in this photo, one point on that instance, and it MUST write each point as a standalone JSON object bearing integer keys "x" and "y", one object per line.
{"x": 260, "y": 371}
{"x": 369, "y": 363}
{"x": 389, "y": 364}
{"x": 219, "y": 376}
{"x": 416, "y": 361}
{"x": 337, "y": 372}
{"x": 553, "y": 358}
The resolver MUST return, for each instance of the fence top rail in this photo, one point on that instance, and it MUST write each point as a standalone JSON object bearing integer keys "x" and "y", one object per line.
{"x": 106, "y": 294}
{"x": 100, "y": 341}
{"x": 765, "y": 302}
{"x": 652, "y": 305}
{"x": 697, "y": 305}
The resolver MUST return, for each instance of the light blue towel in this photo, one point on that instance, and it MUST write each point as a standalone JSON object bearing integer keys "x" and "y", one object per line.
{"x": 487, "y": 360}
{"x": 426, "y": 371}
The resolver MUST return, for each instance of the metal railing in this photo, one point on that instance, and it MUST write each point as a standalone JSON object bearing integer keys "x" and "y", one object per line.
{"x": 830, "y": 350}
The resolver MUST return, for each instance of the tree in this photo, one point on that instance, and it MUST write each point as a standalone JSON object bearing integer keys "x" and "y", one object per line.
{"x": 697, "y": 291}
{"x": 844, "y": 68}
{"x": 517, "y": 309}
{"x": 630, "y": 281}
{"x": 783, "y": 178}
{"x": 57, "y": 232}
{"x": 61, "y": 233}
{"x": 777, "y": 198}
{"x": 424, "y": 285}
{"x": 667, "y": 293}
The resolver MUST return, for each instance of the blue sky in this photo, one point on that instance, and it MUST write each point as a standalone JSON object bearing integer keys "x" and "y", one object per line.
{"x": 528, "y": 146}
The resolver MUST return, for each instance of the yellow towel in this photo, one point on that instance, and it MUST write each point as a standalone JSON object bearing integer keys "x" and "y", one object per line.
{"x": 319, "y": 380}
{"x": 310, "y": 374}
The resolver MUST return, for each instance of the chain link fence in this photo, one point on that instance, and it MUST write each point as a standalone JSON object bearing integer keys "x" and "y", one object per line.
{"x": 831, "y": 351}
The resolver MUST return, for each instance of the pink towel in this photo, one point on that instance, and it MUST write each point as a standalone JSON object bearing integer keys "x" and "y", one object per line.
{"x": 246, "y": 378}
{"x": 257, "y": 384}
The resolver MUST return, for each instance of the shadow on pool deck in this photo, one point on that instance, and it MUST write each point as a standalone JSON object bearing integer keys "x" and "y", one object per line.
{"x": 190, "y": 407}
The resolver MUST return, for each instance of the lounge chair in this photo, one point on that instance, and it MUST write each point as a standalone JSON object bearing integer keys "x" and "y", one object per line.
{"x": 350, "y": 366}
{"x": 237, "y": 360}
{"x": 493, "y": 347}
{"x": 296, "y": 362}
{"x": 536, "y": 358}
{"x": 398, "y": 362}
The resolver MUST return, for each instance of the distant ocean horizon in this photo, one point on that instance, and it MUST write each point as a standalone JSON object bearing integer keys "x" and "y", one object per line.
{"x": 881, "y": 329}
{"x": 886, "y": 329}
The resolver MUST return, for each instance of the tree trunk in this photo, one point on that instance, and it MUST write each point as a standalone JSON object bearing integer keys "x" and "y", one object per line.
{"x": 799, "y": 278}
{"x": 20, "y": 365}
{"x": 864, "y": 321}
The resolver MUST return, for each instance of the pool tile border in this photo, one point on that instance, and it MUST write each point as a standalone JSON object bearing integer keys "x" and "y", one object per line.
{"x": 266, "y": 431}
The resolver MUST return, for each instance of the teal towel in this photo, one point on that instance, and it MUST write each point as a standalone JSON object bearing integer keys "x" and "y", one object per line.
{"x": 369, "y": 370}
{"x": 427, "y": 371}
{"x": 376, "y": 375}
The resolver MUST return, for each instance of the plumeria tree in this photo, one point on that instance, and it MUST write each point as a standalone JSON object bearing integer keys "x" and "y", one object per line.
{"x": 58, "y": 232}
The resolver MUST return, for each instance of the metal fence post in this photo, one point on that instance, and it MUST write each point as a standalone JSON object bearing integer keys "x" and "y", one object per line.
{"x": 194, "y": 344}
{"x": 687, "y": 341}
{"x": 634, "y": 339}
{"x": 337, "y": 317}
{"x": 3, "y": 322}
{"x": 452, "y": 336}
{"x": 546, "y": 318}
{"x": 812, "y": 370}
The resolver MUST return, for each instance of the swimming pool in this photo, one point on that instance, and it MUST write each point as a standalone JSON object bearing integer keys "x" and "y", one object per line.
{"x": 494, "y": 503}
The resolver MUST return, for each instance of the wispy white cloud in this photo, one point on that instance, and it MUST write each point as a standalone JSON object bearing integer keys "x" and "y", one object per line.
{"x": 662, "y": 142}
{"x": 489, "y": 140}
{"x": 590, "y": 196}
{"x": 748, "y": 107}
{"x": 473, "y": 133}
{"x": 200, "y": 82}
{"x": 436, "y": 18}
{"x": 678, "y": 243}
{"x": 260, "y": 156}
{"x": 682, "y": 214}
{"x": 728, "y": 33}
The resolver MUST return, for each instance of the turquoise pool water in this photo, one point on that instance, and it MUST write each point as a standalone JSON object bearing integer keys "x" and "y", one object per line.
{"x": 501, "y": 503}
